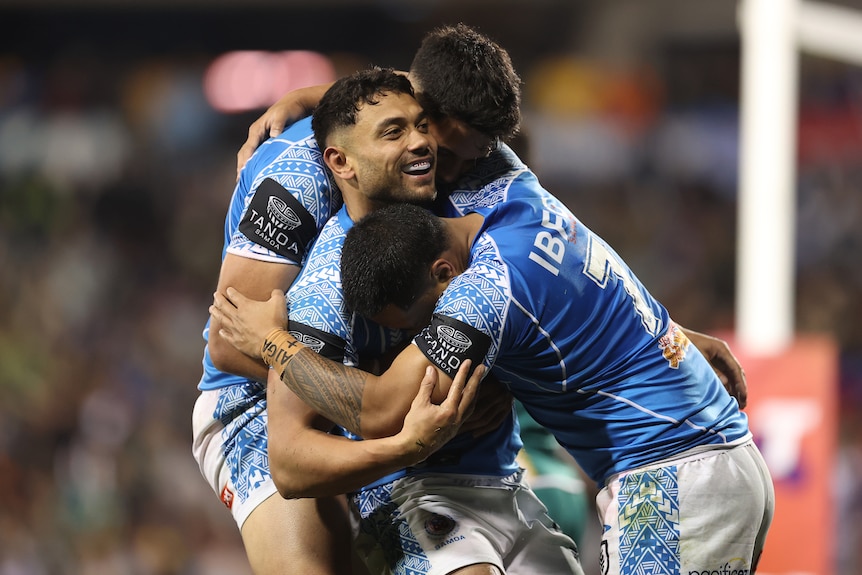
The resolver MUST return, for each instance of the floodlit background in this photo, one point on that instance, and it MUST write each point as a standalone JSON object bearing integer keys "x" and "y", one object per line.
{"x": 119, "y": 125}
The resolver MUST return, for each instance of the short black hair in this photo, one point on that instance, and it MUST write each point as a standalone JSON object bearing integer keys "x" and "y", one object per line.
{"x": 387, "y": 257}
{"x": 464, "y": 74}
{"x": 341, "y": 102}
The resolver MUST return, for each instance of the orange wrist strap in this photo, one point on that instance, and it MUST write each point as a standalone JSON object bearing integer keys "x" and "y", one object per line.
{"x": 278, "y": 349}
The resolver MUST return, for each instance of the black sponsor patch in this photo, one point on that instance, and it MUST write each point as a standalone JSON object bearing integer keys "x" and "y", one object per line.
{"x": 447, "y": 342}
{"x": 277, "y": 221}
{"x": 604, "y": 559}
{"x": 326, "y": 344}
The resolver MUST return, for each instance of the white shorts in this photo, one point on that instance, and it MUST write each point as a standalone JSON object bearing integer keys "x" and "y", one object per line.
{"x": 230, "y": 446}
{"x": 434, "y": 524}
{"x": 706, "y": 511}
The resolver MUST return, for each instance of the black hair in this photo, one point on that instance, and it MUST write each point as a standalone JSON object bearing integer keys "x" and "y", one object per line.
{"x": 464, "y": 74}
{"x": 387, "y": 257}
{"x": 341, "y": 102}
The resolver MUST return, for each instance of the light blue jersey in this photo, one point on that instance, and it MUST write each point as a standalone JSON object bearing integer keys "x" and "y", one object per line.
{"x": 320, "y": 319}
{"x": 283, "y": 198}
{"x": 592, "y": 355}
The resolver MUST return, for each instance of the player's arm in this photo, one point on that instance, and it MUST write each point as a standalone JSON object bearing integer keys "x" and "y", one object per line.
{"x": 723, "y": 362}
{"x": 306, "y": 461}
{"x": 292, "y": 107}
{"x": 368, "y": 405}
{"x": 257, "y": 279}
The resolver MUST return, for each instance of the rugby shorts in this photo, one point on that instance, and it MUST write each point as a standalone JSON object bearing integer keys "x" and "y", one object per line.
{"x": 229, "y": 443}
{"x": 433, "y": 524}
{"x": 705, "y": 511}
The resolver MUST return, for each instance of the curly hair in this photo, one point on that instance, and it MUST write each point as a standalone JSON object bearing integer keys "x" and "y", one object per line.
{"x": 387, "y": 256}
{"x": 462, "y": 73}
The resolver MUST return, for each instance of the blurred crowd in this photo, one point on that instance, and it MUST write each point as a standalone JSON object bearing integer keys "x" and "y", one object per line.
{"x": 114, "y": 181}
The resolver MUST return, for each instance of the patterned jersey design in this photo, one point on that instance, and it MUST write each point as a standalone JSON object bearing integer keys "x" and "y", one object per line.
{"x": 481, "y": 299}
{"x": 316, "y": 298}
{"x": 487, "y": 185}
{"x": 316, "y": 302}
{"x": 580, "y": 341}
{"x": 380, "y": 519}
{"x": 649, "y": 523}
{"x": 293, "y": 163}
{"x": 242, "y": 410}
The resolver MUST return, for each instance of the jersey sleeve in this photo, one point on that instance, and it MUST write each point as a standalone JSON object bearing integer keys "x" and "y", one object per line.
{"x": 283, "y": 199}
{"x": 470, "y": 315}
{"x": 275, "y": 226}
{"x": 316, "y": 305}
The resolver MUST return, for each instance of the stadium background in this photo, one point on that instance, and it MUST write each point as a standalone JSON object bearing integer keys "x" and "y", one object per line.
{"x": 116, "y": 169}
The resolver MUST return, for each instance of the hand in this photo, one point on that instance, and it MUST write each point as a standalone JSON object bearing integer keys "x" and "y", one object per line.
{"x": 427, "y": 426}
{"x": 270, "y": 124}
{"x": 493, "y": 406}
{"x": 245, "y": 323}
{"x": 292, "y": 107}
{"x": 724, "y": 363}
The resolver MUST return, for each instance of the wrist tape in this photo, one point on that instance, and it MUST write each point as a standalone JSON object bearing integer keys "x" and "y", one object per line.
{"x": 277, "y": 349}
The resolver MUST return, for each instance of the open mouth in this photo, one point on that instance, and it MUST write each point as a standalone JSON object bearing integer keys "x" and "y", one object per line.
{"x": 418, "y": 168}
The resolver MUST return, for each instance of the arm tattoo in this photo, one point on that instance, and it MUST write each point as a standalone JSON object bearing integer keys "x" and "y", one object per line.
{"x": 332, "y": 389}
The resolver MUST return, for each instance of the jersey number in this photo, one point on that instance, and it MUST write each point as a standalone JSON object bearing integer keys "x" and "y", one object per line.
{"x": 600, "y": 263}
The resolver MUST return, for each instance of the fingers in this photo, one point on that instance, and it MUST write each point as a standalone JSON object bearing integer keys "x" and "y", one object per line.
{"x": 276, "y": 128}
{"x": 426, "y": 386}
{"x": 234, "y": 297}
{"x": 277, "y": 294}
{"x": 256, "y": 135}
{"x": 221, "y": 302}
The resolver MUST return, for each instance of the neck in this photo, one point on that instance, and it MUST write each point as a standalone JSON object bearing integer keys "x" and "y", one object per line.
{"x": 358, "y": 205}
{"x": 462, "y": 232}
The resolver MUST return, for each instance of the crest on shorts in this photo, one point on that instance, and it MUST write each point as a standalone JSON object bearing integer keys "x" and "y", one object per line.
{"x": 439, "y": 526}
{"x": 227, "y": 497}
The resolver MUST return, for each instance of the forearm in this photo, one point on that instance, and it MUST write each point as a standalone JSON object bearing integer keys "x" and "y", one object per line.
{"x": 307, "y": 462}
{"x": 365, "y": 404}
{"x": 329, "y": 388}
{"x": 228, "y": 359}
{"x": 316, "y": 464}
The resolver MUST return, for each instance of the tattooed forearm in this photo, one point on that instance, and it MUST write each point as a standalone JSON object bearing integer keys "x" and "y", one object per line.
{"x": 333, "y": 390}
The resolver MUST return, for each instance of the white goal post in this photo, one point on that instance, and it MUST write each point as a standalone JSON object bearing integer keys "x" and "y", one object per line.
{"x": 773, "y": 32}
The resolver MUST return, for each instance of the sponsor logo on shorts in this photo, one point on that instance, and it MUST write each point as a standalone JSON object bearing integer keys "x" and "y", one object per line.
{"x": 733, "y": 567}
{"x": 604, "y": 561}
{"x": 227, "y": 497}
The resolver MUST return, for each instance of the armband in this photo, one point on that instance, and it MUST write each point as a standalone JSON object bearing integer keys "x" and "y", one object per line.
{"x": 278, "y": 349}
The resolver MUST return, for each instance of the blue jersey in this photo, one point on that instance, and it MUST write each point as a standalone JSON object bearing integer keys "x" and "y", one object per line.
{"x": 320, "y": 319}
{"x": 283, "y": 198}
{"x": 577, "y": 338}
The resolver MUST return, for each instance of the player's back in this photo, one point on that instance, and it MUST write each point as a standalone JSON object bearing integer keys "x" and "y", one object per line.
{"x": 581, "y": 342}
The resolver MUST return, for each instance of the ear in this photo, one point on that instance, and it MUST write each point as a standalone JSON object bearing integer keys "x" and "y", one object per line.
{"x": 442, "y": 271}
{"x": 338, "y": 162}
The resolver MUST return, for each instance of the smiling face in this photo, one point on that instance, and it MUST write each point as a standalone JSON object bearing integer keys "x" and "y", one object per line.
{"x": 389, "y": 154}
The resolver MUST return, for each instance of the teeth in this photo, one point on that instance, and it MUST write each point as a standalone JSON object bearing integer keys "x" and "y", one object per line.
{"x": 419, "y": 166}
